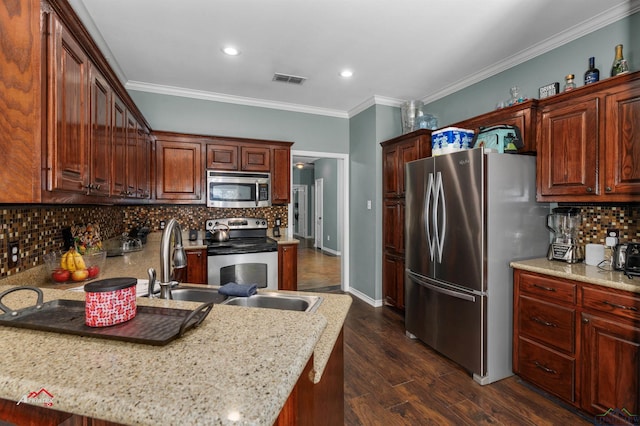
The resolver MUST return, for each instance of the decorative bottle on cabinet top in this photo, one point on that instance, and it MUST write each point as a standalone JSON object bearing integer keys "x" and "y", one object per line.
{"x": 593, "y": 74}
{"x": 620, "y": 65}
{"x": 569, "y": 84}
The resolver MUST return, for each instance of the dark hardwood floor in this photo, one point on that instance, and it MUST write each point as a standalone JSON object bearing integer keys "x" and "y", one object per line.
{"x": 393, "y": 380}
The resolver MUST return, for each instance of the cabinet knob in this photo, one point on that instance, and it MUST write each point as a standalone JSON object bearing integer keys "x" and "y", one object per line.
{"x": 585, "y": 320}
{"x": 589, "y": 189}
{"x": 608, "y": 189}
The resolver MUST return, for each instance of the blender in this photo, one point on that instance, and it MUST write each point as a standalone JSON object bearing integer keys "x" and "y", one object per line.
{"x": 564, "y": 222}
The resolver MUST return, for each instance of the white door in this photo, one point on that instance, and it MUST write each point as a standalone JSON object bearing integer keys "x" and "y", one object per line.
{"x": 300, "y": 210}
{"x": 318, "y": 214}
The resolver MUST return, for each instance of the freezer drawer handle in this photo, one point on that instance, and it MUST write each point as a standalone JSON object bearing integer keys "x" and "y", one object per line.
{"x": 451, "y": 293}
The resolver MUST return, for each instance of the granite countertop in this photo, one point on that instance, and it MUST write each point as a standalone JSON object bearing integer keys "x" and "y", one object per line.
{"x": 580, "y": 272}
{"x": 241, "y": 363}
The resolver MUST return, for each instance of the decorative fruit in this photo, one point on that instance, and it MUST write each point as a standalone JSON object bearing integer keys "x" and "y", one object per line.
{"x": 79, "y": 275}
{"x": 93, "y": 271}
{"x": 79, "y": 262}
{"x": 60, "y": 275}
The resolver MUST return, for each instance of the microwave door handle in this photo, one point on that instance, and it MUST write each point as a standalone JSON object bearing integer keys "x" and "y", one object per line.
{"x": 257, "y": 193}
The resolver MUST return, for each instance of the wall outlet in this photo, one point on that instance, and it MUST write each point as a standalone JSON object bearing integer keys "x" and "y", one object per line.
{"x": 13, "y": 249}
{"x": 162, "y": 224}
{"x": 328, "y": 237}
{"x": 613, "y": 232}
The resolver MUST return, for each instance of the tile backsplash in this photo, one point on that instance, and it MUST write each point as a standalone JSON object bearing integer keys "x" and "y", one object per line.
{"x": 38, "y": 229}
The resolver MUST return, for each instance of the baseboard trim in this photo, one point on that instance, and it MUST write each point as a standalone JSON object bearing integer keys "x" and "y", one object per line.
{"x": 331, "y": 251}
{"x": 365, "y": 298}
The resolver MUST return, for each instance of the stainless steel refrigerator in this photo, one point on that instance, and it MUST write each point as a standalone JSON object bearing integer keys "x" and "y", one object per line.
{"x": 468, "y": 214}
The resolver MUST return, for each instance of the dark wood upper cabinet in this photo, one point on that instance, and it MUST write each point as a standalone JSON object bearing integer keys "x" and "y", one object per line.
{"x": 20, "y": 102}
{"x": 179, "y": 171}
{"x": 67, "y": 111}
{"x": 281, "y": 175}
{"x": 222, "y": 157}
{"x": 589, "y": 143}
{"x": 523, "y": 115}
{"x": 255, "y": 158}
{"x": 100, "y": 158}
{"x": 119, "y": 149}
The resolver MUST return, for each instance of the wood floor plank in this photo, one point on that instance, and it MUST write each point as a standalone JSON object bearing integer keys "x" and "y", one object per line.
{"x": 393, "y": 380}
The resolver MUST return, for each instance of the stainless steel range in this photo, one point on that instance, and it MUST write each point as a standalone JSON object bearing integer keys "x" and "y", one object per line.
{"x": 247, "y": 257}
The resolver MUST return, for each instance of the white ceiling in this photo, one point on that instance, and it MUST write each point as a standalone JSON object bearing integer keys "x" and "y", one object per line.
{"x": 398, "y": 50}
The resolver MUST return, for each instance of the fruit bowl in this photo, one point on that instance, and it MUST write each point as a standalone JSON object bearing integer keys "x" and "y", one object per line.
{"x": 62, "y": 267}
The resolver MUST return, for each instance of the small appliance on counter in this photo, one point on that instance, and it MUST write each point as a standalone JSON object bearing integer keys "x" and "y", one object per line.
{"x": 564, "y": 222}
{"x": 276, "y": 228}
{"x": 626, "y": 258}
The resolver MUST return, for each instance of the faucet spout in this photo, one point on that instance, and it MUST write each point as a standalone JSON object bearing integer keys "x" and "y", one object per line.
{"x": 179, "y": 260}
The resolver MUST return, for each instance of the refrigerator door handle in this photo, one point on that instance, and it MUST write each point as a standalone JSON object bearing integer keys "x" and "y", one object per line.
{"x": 428, "y": 216}
{"x": 439, "y": 199}
{"x": 459, "y": 295}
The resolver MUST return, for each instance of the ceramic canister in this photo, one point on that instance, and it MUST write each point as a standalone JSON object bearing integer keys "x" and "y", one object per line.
{"x": 110, "y": 301}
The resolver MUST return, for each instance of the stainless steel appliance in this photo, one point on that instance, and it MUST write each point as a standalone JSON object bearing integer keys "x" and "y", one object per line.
{"x": 564, "y": 222}
{"x": 467, "y": 215}
{"x": 238, "y": 189}
{"x": 247, "y": 257}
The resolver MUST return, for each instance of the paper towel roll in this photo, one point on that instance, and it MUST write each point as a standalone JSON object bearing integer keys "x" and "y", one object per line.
{"x": 594, "y": 254}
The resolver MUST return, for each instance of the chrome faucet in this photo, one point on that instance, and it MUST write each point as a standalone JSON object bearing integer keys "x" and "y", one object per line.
{"x": 179, "y": 260}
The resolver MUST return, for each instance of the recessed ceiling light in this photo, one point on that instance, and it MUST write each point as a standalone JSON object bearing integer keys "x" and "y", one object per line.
{"x": 346, "y": 73}
{"x": 231, "y": 51}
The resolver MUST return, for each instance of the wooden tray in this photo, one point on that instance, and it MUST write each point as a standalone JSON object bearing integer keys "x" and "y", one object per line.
{"x": 152, "y": 325}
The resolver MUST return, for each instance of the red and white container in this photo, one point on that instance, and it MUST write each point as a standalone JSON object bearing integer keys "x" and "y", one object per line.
{"x": 110, "y": 301}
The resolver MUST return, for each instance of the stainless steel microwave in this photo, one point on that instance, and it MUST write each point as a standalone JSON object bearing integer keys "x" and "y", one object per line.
{"x": 238, "y": 189}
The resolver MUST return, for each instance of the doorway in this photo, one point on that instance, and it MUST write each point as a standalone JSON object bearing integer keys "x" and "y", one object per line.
{"x": 323, "y": 255}
{"x": 300, "y": 207}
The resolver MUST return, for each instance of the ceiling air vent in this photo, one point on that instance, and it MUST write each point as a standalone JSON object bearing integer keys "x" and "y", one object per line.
{"x": 286, "y": 78}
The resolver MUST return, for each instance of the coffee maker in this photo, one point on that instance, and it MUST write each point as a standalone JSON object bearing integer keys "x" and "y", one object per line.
{"x": 564, "y": 222}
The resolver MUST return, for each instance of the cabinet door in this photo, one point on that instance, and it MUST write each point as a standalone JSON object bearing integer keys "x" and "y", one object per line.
{"x": 100, "y": 137}
{"x": 622, "y": 147}
{"x": 222, "y": 157}
{"x": 394, "y": 159}
{"x": 255, "y": 159}
{"x": 197, "y": 266}
{"x": 288, "y": 267}
{"x": 119, "y": 149}
{"x": 393, "y": 280}
{"x": 393, "y": 219}
{"x": 67, "y": 111}
{"x": 281, "y": 176}
{"x": 179, "y": 171}
{"x": 567, "y": 152}
{"x": 132, "y": 157}
{"x": 143, "y": 164}
{"x": 611, "y": 364}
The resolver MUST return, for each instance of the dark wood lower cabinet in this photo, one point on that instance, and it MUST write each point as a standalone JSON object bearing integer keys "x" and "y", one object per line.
{"x": 288, "y": 267}
{"x": 579, "y": 342}
{"x": 197, "y": 266}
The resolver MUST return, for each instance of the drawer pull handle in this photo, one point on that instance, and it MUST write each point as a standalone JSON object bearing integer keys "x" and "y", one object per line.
{"x": 543, "y": 322}
{"x": 545, "y": 369}
{"x": 544, "y": 288}
{"x": 615, "y": 305}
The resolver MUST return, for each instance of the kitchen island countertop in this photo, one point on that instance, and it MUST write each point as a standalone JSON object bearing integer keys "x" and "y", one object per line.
{"x": 241, "y": 363}
{"x": 579, "y": 272}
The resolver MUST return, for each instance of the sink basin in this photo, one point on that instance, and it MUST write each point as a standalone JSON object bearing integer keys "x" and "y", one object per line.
{"x": 278, "y": 301}
{"x": 195, "y": 294}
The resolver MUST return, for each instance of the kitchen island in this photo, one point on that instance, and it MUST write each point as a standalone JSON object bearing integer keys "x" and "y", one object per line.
{"x": 239, "y": 367}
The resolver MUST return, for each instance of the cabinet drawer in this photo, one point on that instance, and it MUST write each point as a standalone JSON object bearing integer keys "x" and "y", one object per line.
{"x": 624, "y": 305}
{"x": 547, "y": 369}
{"x": 548, "y": 288}
{"x": 548, "y": 323}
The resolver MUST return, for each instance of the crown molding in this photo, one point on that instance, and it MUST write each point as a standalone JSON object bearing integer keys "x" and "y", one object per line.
{"x": 570, "y": 34}
{"x": 230, "y": 99}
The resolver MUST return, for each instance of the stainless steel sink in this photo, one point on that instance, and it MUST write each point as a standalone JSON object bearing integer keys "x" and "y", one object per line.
{"x": 278, "y": 301}
{"x": 197, "y": 294}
